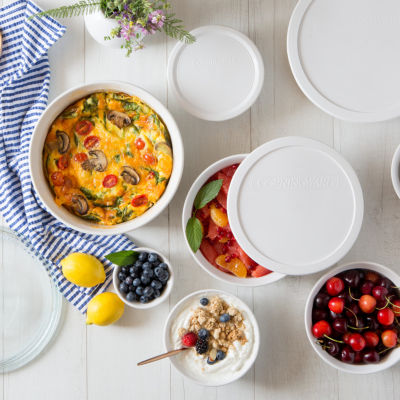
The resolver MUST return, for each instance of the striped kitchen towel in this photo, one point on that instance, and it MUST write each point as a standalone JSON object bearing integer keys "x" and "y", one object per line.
{"x": 24, "y": 88}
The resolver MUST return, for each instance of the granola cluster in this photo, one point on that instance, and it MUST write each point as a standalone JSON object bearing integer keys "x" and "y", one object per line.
{"x": 222, "y": 334}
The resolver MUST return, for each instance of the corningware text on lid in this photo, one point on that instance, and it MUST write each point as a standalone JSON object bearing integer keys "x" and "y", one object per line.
{"x": 219, "y": 76}
{"x": 295, "y": 206}
{"x": 344, "y": 56}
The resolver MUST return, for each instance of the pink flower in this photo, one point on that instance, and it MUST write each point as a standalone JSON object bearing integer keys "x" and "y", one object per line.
{"x": 155, "y": 21}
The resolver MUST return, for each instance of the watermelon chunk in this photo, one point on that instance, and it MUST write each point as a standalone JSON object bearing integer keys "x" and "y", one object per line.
{"x": 212, "y": 230}
{"x": 259, "y": 271}
{"x": 247, "y": 261}
{"x": 226, "y": 182}
{"x": 229, "y": 171}
{"x": 222, "y": 199}
{"x": 208, "y": 251}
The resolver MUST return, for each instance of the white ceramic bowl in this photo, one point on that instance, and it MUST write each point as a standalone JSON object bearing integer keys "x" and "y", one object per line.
{"x": 198, "y": 256}
{"x": 36, "y": 165}
{"x": 395, "y": 171}
{"x": 165, "y": 294}
{"x": 389, "y": 360}
{"x": 248, "y": 314}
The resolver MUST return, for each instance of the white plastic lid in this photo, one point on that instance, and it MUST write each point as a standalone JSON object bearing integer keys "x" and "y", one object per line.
{"x": 219, "y": 76}
{"x": 295, "y": 206}
{"x": 345, "y": 56}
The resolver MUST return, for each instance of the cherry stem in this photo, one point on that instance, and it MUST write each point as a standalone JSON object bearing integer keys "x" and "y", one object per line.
{"x": 355, "y": 316}
{"x": 383, "y": 351}
{"x": 387, "y": 303}
{"x": 360, "y": 329}
{"x": 352, "y": 295}
{"x": 334, "y": 340}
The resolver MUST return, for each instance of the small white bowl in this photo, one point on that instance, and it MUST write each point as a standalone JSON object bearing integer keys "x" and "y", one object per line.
{"x": 395, "y": 171}
{"x": 39, "y": 180}
{"x": 248, "y": 314}
{"x": 198, "y": 256}
{"x": 165, "y": 294}
{"x": 389, "y": 360}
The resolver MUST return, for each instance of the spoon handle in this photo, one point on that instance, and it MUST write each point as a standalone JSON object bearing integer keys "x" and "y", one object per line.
{"x": 161, "y": 356}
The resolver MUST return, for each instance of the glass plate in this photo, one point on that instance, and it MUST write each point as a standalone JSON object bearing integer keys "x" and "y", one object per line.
{"x": 30, "y": 304}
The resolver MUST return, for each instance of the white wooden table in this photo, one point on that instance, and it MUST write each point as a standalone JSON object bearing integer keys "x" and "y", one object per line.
{"x": 100, "y": 363}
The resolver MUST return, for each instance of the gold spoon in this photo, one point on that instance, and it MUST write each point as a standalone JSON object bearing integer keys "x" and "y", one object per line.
{"x": 161, "y": 356}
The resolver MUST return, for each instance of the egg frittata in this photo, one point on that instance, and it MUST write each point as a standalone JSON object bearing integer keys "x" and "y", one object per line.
{"x": 108, "y": 158}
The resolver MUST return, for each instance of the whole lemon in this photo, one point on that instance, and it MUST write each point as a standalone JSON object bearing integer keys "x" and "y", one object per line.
{"x": 104, "y": 309}
{"x": 83, "y": 269}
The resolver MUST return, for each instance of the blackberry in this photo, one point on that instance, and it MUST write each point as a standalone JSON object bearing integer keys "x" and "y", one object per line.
{"x": 201, "y": 346}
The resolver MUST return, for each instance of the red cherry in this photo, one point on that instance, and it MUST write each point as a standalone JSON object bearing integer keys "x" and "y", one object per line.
{"x": 366, "y": 287}
{"x": 396, "y": 307}
{"x": 321, "y": 328}
{"x": 367, "y": 303}
{"x": 358, "y": 357}
{"x": 385, "y": 316}
{"x": 371, "y": 276}
{"x": 371, "y": 338}
{"x": 189, "y": 339}
{"x": 379, "y": 292}
{"x": 357, "y": 342}
{"x": 389, "y": 338}
{"x": 336, "y": 305}
{"x": 346, "y": 337}
{"x": 334, "y": 286}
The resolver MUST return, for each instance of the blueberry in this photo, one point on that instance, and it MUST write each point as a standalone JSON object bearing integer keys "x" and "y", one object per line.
{"x": 148, "y": 291}
{"x": 143, "y": 299}
{"x": 157, "y": 293}
{"x": 211, "y": 362}
{"x": 136, "y": 282}
{"x": 142, "y": 256}
{"x": 128, "y": 280}
{"x": 131, "y": 296}
{"x": 145, "y": 279}
{"x": 152, "y": 257}
{"x": 148, "y": 272}
{"x": 121, "y": 276}
{"x": 224, "y": 317}
{"x": 123, "y": 287}
{"x": 204, "y": 301}
{"x": 155, "y": 284}
{"x": 203, "y": 333}
{"x": 125, "y": 270}
{"x": 163, "y": 265}
{"x": 146, "y": 265}
{"x": 138, "y": 264}
{"x": 220, "y": 355}
{"x": 164, "y": 276}
{"x": 139, "y": 290}
{"x": 156, "y": 263}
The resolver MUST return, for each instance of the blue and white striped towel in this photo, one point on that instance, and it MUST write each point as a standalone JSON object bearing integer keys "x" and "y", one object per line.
{"x": 24, "y": 88}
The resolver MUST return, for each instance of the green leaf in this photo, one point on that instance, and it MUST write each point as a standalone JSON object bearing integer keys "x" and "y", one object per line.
{"x": 90, "y": 104}
{"x": 89, "y": 195}
{"x": 122, "y": 258}
{"x": 207, "y": 193}
{"x": 194, "y": 233}
{"x": 76, "y": 140}
{"x": 91, "y": 217}
{"x": 156, "y": 175}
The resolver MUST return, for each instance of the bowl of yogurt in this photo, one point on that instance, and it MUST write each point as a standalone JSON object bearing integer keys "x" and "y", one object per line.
{"x": 228, "y": 337}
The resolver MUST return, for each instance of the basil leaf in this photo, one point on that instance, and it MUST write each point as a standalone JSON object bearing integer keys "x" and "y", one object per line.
{"x": 194, "y": 233}
{"x": 207, "y": 193}
{"x": 122, "y": 258}
{"x": 89, "y": 195}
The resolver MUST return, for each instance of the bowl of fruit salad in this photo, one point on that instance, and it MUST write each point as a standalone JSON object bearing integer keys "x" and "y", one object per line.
{"x": 207, "y": 231}
{"x": 144, "y": 277}
{"x": 220, "y": 334}
{"x": 352, "y": 317}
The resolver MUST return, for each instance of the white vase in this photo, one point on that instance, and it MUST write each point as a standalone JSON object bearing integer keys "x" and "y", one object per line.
{"x": 99, "y": 26}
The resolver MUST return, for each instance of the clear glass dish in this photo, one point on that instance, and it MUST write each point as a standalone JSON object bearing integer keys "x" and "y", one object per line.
{"x": 30, "y": 304}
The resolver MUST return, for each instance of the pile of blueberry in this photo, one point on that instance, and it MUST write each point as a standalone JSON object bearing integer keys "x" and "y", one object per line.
{"x": 145, "y": 280}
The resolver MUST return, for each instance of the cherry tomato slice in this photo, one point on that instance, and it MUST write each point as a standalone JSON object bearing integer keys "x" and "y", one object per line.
{"x": 57, "y": 178}
{"x": 140, "y": 200}
{"x": 149, "y": 158}
{"x": 91, "y": 141}
{"x": 63, "y": 162}
{"x": 80, "y": 157}
{"x": 110, "y": 181}
{"x": 84, "y": 127}
{"x": 139, "y": 143}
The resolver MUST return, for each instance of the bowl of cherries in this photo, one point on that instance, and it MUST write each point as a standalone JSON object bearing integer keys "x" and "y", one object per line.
{"x": 352, "y": 318}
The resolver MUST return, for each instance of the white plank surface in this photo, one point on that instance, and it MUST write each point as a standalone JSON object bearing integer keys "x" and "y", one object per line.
{"x": 100, "y": 363}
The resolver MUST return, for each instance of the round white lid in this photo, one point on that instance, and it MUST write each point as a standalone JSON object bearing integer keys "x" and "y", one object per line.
{"x": 219, "y": 76}
{"x": 295, "y": 206}
{"x": 345, "y": 56}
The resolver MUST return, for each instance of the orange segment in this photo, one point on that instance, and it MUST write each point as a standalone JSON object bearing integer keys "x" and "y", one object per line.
{"x": 234, "y": 265}
{"x": 218, "y": 216}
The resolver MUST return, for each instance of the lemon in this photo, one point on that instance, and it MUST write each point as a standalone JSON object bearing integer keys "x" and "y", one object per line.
{"x": 104, "y": 309}
{"x": 83, "y": 269}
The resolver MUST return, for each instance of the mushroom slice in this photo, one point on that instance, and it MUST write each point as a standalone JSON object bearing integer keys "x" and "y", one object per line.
{"x": 80, "y": 204}
{"x": 130, "y": 175}
{"x": 62, "y": 142}
{"x": 164, "y": 147}
{"x": 118, "y": 118}
{"x": 97, "y": 161}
